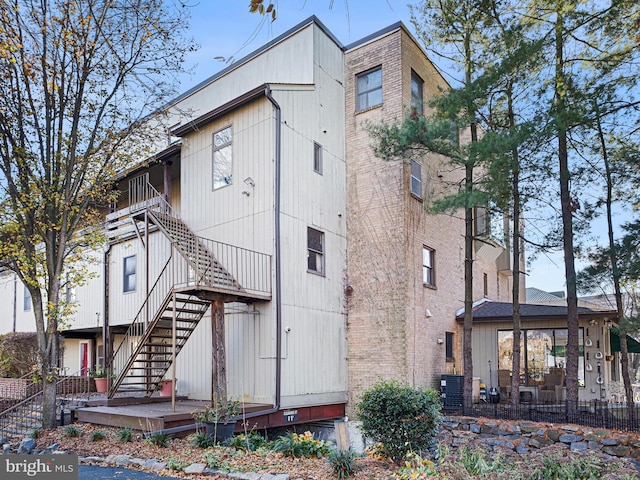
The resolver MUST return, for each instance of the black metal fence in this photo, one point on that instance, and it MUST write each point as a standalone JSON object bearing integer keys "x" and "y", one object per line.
{"x": 594, "y": 414}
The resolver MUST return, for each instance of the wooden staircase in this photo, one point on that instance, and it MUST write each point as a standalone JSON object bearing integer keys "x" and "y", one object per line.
{"x": 198, "y": 271}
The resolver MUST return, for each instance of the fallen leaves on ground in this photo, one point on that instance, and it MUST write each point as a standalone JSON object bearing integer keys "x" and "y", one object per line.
{"x": 180, "y": 451}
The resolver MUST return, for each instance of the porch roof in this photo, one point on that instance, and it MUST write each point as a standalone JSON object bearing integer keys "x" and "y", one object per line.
{"x": 489, "y": 311}
{"x": 633, "y": 346}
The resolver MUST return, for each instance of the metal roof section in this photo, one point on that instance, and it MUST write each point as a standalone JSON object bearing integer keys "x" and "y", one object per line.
{"x": 503, "y": 311}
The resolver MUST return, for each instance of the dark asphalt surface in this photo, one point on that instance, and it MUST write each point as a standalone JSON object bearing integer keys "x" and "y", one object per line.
{"x": 94, "y": 472}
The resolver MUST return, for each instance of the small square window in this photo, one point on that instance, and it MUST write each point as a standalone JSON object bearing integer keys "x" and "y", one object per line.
{"x": 369, "y": 89}
{"x": 129, "y": 278}
{"x": 428, "y": 271}
{"x": 416, "y": 92}
{"x": 317, "y": 158}
{"x": 416, "y": 179}
{"x": 315, "y": 251}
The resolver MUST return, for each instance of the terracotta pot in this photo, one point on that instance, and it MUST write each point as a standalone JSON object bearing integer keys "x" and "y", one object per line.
{"x": 166, "y": 388}
{"x": 102, "y": 384}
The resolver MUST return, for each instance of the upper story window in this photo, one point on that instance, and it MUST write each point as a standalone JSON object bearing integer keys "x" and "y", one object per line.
{"x": 222, "y": 158}
{"x": 317, "y": 158}
{"x": 416, "y": 92}
{"x": 26, "y": 300}
{"x": 129, "y": 274}
{"x": 70, "y": 293}
{"x": 489, "y": 223}
{"x": 369, "y": 89}
{"x": 416, "y": 179}
{"x": 315, "y": 251}
{"x": 428, "y": 270}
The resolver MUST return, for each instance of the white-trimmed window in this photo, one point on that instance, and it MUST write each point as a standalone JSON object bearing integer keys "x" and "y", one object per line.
{"x": 222, "y": 158}
{"x": 129, "y": 274}
{"x": 428, "y": 270}
{"x": 69, "y": 291}
{"x": 416, "y": 92}
{"x": 26, "y": 300}
{"x": 416, "y": 179}
{"x": 317, "y": 158}
{"x": 369, "y": 89}
{"x": 315, "y": 251}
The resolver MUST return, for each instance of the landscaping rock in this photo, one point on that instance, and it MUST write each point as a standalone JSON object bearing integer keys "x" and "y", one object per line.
{"x": 568, "y": 438}
{"x": 609, "y": 442}
{"x": 579, "y": 446}
{"x": 26, "y": 446}
{"x": 195, "y": 468}
{"x": 619, "y": 451}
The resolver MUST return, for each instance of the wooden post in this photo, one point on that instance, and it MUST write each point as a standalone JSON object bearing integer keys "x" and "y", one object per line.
{"x": 218, "y": 357}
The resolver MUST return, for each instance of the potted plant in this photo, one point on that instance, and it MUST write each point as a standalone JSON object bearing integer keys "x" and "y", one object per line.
{"x": 219, "y": 419}
{"x": 101, "y": 378}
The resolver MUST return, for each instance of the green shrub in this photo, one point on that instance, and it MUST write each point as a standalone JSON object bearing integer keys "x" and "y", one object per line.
{"x": 36, "y": 433}
{"x": 216, "y": 459}
{"x": 72, "y": 431}
{"x": 158, "y": 438}
{"x": 343, "y": 463}
{"x": 250, "y": 442}
{"x": 97, "y": 435}
{"x": 176, "y": 464}
{"x": 125, "y": 435}
{"x": 416, "y": 467}
{"x": 201, "y": 440}
{"x": 294, "y": 445}
{"x": 402, "y": 418}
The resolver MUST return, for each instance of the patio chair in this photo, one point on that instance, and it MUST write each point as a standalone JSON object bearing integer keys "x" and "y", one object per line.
{"x": 504, "y": 382}
{"x": 548, "y": 393}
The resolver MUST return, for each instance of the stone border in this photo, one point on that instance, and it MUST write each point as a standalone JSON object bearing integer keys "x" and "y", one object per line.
{"x": 523, "y": 436}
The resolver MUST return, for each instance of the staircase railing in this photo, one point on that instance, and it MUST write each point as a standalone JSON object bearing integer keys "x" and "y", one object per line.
{"x": 26, "y": 416}
{"x": 151, "y": 306}
{"x": 247, "y": 268}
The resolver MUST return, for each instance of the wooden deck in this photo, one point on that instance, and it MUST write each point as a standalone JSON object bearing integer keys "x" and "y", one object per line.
{"x": 151, "y": 414}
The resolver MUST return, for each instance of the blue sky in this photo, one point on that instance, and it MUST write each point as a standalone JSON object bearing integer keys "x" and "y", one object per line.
{"x": 226, "y": 29}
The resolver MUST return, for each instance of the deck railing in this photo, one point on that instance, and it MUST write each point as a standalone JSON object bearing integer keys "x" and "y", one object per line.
{"x": 595, "y": 414}
{"x": 250, "y": 270}
{"x": 25, "y": 415}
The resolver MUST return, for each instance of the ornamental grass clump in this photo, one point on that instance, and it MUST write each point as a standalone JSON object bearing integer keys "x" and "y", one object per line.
{"x": 401, "y": 418}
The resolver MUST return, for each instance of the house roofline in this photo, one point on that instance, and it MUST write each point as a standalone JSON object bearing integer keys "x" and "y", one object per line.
{"x": 202, "y": 120}
{"x": 162, "y": 156}
{"x": 237, "y": 64}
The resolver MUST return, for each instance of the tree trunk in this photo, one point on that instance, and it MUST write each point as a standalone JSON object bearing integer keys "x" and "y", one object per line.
{"x": 615, "y": 273}
{"x": 467, "y": 349}
{"x": 515, "y": 292}
{"x": 568, "y": 206}
{"x": 218, "y": 357}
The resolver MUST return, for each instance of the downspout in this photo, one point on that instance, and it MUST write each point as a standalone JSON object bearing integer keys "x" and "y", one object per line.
{"x": 106, "y": 342}
{"x": 278, "y": 281}
{"x": 15, "y": 300}
{"x": 278, "y": 278}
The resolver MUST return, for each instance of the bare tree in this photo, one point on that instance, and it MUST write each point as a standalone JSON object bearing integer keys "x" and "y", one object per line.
{"x": 77, "y": 79}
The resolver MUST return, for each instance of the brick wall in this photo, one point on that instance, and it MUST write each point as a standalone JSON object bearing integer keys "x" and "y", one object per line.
{"x": 390, "y": 334}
